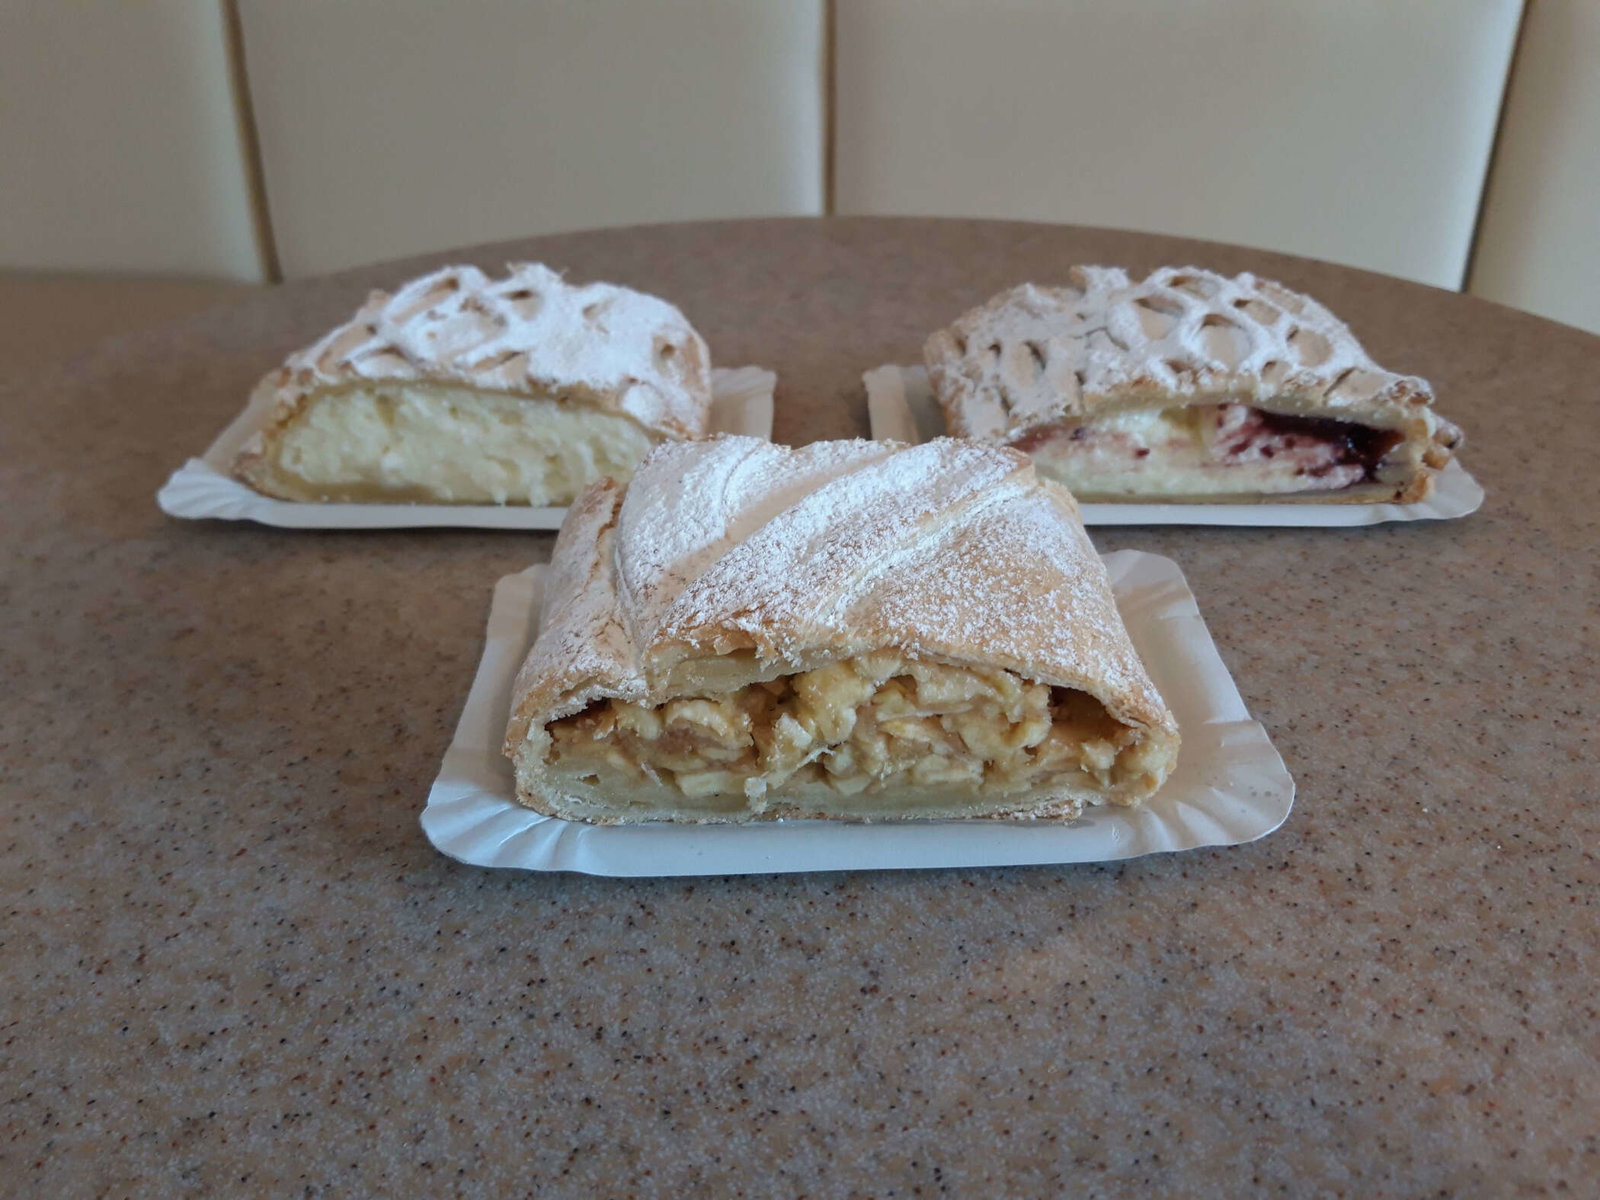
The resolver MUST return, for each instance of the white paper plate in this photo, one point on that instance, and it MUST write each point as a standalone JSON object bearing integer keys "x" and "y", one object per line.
{"x": 1230, "y": 785}
{"x": 741, "y": 402}
{"x": 901, "y": 407}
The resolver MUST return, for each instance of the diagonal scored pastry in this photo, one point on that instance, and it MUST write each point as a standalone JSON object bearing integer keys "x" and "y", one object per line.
{"x": 855, "y": 630}
{"x": 1187, "y": 386}
{"x": 461, "y": 389}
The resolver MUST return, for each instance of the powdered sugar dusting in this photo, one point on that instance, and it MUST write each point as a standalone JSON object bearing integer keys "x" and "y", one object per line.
{"x": 949, "y": 550}
{"x": 1039, "y": 354}
{"x": 529, "y": 332}
{"x": 582, "y": 646}
{"x": 779, "y": 583}
{"x": 1051, "y": 602}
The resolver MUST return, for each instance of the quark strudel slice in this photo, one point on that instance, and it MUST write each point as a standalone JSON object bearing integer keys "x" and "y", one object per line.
{"x": 460, "y": 389}
{"x": 1187, "y": 386}
{"x": 855, "y": 630}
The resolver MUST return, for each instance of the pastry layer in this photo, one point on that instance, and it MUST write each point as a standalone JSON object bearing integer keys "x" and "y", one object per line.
{"x": 459, "y": 388}
{"x": 870, "y": 737}
{"x": 847, "y": 630}
{"x": 1217, "y": 451}
{"x": 1279, "y": 383}
{"x": 445, "y": 445}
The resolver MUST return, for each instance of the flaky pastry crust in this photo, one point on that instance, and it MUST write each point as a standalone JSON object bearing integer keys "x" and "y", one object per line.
{"x": 530, "y": 335}
{"x": 733, "y": 560}
{"x": 1104, "y": 343}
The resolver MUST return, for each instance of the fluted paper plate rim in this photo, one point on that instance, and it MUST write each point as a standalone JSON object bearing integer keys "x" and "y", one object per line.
{"x": 1230, "y": 785}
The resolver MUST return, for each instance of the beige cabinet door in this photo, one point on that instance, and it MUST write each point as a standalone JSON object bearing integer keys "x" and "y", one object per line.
{"x": 121, "y": 146}
{"x": 1539, "y": 244}
{"x": 404, "y": 126}
{"x": 1351, "y": 130}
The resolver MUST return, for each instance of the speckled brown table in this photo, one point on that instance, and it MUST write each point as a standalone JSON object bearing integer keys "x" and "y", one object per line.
{"x": 230, "y": 963}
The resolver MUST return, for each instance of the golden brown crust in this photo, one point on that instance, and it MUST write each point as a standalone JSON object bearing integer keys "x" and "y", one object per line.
{"x": 1046, "y": 810}
{"x": 737, "y": 551}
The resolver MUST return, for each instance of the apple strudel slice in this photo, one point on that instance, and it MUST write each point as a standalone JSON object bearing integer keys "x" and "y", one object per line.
{"x": 1187, "y": 386}
{"x": 461, "y": 389}
{"x": 850, "y": 630}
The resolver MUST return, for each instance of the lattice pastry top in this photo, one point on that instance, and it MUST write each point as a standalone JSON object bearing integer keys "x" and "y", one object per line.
{"x": 530, "y": 333}
{"x": 1181, "y": 335}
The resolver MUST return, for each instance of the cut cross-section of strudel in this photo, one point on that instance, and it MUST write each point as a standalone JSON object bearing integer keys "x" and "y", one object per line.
{"x": 1187, "y": 386}
{"x": 854, "y": 630}
{"x": 461, "y": 389}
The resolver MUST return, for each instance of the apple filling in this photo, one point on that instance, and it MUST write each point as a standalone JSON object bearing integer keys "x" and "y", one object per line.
{"x": 1213, "y": 450}
{"x": 879, "y": 735}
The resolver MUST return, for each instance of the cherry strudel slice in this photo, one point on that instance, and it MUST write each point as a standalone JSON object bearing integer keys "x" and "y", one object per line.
{"x": 1187, "y": 386}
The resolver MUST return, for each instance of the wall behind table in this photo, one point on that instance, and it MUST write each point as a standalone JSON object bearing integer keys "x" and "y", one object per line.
{"x": 1356, "y": 131}
{"x": 395, "y": 127}
{"x": 245, "y": 139}
{"x": 1539, "y": 247}
{"x": 121, "y": 145}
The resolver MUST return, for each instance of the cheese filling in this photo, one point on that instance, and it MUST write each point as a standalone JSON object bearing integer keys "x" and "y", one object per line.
{"x": 1210, "y": 450}
{"x": 447, "y": 445}
{"x": 876, "y": 735}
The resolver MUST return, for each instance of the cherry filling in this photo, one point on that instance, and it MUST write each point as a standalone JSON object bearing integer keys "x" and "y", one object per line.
{"x": 1036, "y": 436}
{"x": 1352, "y": 445}
{"x": 1235, "y": 434}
